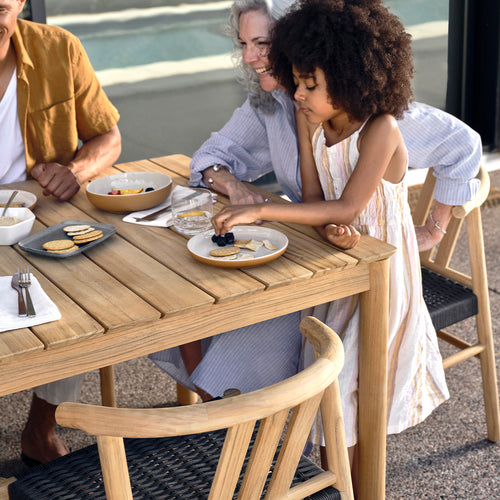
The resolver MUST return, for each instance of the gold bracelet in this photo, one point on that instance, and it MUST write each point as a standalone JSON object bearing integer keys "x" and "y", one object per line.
{"x": 436, "y": 224}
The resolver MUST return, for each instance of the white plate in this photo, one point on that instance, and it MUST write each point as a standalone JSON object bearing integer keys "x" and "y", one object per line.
{"x": 199, "y": 246}
{"x": 28, "y": 199}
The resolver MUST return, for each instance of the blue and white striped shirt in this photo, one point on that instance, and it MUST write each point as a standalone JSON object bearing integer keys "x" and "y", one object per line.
{"x": 253, "y": 143}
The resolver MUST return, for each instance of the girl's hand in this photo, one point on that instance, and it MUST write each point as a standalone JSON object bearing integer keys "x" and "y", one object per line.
{"x": 342, "y": 235}
{"x": 233, "y": 215}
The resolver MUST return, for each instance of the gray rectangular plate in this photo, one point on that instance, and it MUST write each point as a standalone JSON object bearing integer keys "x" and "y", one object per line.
{"x": 33, "y": 243}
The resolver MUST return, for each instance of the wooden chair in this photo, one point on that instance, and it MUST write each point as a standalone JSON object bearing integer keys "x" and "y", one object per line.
{"x": 208, "y": 445}
{"x": 452, "y": 296}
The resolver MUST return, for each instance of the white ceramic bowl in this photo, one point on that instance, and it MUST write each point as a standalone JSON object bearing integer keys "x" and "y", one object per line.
{"x": 9, "y": 235}
{"x": 98, "y": 191}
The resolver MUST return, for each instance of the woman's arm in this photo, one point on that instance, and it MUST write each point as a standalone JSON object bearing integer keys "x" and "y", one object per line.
{"x": 382, "y": 155}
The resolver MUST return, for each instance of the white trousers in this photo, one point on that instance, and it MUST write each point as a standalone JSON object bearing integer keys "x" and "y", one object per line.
{"x": 67, "y": 389}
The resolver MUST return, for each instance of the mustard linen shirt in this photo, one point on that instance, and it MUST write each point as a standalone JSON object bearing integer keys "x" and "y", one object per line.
{"x": 60, "y": 99}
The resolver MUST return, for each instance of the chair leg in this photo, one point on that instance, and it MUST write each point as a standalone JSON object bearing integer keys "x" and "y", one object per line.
{"x": 108, "y": 395}
{"x": 489, "y": 376}
{"x": 186, "y": 396}
{"x": 484, "y": 327}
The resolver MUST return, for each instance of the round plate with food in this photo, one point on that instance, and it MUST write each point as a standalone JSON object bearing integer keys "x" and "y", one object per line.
{"x": 22, "y": 199}
{"x": 244, "y": 246}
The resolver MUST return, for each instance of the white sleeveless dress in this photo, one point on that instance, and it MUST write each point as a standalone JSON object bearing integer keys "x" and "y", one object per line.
{"x": 415, "y": 372}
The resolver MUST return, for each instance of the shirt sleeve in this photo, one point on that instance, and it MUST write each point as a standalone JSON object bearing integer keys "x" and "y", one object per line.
{"x": 437, "y": 139}
{"x": 95, "y": 114}
{"x": 242, "y": 145}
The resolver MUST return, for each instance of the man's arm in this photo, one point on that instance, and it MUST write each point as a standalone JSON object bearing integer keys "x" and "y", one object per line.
{"x": 63, "y": 181}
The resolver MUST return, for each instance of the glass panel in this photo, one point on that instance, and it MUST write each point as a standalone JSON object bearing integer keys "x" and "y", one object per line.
{"x": 427, "y": 22}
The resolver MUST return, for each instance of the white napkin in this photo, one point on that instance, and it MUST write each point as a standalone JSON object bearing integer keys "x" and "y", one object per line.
{"x": 165, "y": 219}
{"x": 45, "y": 309}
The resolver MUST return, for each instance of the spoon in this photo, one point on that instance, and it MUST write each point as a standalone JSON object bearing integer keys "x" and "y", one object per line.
{"x": 9, "y": 202}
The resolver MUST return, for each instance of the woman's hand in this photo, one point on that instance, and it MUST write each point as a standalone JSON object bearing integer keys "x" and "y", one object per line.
{"x": 241, "y": 194}
{"x": 342, "y": 235}
{"x": 233, "y": 215}
{"x": 427, "y": 237}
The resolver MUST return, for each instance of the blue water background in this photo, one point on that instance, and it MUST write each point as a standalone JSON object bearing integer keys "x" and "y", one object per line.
{"x": 122, "y": 44}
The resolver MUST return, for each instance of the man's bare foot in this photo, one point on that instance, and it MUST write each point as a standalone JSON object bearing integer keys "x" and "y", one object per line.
{"x": 39, "y": 440}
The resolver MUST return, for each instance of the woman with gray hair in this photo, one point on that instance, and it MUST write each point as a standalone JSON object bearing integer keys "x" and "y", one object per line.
{"x": 261, "y": 138}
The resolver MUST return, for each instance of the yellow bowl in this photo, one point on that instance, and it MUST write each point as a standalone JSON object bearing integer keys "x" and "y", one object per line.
{"x": 98, "y": 191}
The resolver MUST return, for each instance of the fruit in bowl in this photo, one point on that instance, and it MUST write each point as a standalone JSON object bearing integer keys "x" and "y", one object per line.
{"x": 129, "y": 191}
{"x": 15, "y": 225}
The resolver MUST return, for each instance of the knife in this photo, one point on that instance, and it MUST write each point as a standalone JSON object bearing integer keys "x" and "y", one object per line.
{"x": 20, "y": 301}
{"x": 154, "y": 215}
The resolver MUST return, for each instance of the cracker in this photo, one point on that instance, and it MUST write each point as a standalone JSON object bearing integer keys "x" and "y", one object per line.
{"x": 88, "y": 240}
{"x": 84, "y": 231}
{"x": 76, "y": 227}
{"x": 224, "y": 251}
{"x": 269, "y": 245}
{"x": 66, "y": 250}
{"x": 245, "y": 256}
{"x": 229, "y": 257}
{"x": 241, "y": 243}
{"x": 85, "y": 236}
{"x": 58, "y": 244}
{"x": 252, "y": 244}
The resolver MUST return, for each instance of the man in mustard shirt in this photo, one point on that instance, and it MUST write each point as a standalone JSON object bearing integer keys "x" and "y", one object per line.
{"x": 57, "y": 126}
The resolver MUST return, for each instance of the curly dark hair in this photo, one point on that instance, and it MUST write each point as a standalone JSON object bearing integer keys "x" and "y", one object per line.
{"x": 361, "y": 47}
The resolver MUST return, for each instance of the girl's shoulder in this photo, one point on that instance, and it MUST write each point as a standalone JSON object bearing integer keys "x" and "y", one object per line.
{"x": 384, "y": 125}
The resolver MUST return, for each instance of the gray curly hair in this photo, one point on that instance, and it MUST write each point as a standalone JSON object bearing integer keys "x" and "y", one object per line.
{"x": 247, "y": 76}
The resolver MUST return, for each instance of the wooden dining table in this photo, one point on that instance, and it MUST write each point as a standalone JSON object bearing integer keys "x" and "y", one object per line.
{"x": 141, "y": 291}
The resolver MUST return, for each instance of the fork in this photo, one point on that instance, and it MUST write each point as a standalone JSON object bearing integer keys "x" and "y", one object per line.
{"x": 25, "y": 282}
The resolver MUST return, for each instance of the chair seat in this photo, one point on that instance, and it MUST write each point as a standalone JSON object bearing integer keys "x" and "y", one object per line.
{"x": 164, "y": 468}
{"x": 448, "y": 302}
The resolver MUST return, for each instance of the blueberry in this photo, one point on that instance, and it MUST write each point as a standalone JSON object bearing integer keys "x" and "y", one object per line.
{"x": 229, "y": 238}
{"x": 214, "y": 238}
{"x": 221, "y": 241}
{"x": 149, "y": 189}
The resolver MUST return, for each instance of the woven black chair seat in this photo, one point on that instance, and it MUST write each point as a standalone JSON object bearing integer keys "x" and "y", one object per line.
{"x": 448, "y": 302}
{"x": 160, "y": 469}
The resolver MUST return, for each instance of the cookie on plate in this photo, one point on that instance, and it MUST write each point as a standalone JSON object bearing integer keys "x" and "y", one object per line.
{"x": 88, "y": 237}
{"x": 83, "y": 231}
{"x": 56, "y": 245}
{"x": 66, "y": 250}
{"x": 76, "y": 227}
{"x": 224, "y": 251}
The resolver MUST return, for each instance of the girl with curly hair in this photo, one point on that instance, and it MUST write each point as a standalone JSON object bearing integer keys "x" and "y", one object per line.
{"x": 348, "y": 66}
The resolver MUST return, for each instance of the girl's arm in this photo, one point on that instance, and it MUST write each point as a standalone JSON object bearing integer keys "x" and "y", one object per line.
{"x": 342, "y": 236}
{"x": 382, "y": 155}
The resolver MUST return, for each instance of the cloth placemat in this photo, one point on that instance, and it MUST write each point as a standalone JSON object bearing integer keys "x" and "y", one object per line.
{"x": 45, "y": 308}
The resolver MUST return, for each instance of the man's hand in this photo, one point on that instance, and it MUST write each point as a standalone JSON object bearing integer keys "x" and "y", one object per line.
{"x": 56, "y": 179}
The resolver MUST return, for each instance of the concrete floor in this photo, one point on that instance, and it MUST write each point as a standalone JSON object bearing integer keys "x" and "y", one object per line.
{"x": 445, "y": 457}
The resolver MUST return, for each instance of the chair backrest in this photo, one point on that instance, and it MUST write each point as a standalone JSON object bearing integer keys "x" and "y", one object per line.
{"x": 463, "y": 293}
{"x": 438, "y": 258}
{"x": 302, "y": 394}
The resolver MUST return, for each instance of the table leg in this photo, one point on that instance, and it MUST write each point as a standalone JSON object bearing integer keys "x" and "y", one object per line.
{"x": 373, "y": 350}
{"x": 108, "y": 396}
